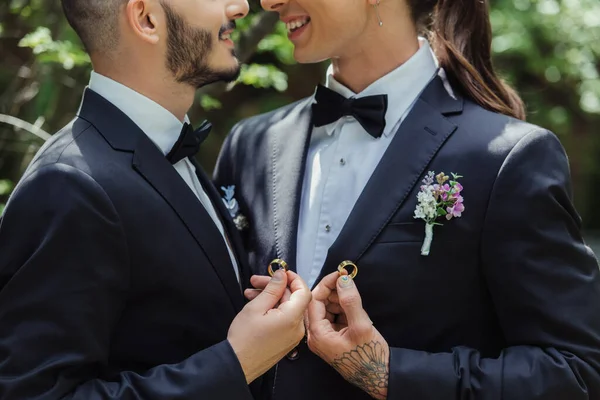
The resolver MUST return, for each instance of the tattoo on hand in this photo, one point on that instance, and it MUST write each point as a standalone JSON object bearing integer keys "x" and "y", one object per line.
{"x": 366, "y": 367}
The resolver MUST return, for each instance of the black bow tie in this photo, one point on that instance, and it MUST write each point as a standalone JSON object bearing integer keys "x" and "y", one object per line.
{"x": 368, "y": 111}
{"x": 189, "y": 142}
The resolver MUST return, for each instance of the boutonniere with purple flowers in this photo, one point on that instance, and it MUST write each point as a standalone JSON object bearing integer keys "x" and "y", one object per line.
{"x": 439, "y": 197}
{"x": 240, "y": 221}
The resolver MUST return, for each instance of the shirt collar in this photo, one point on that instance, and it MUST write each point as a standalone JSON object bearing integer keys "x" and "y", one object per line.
{"x": 159, "y": 124}
{"x": 403, "y": 85}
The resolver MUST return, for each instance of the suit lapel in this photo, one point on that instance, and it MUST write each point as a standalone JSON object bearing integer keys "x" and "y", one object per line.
{"x": 151, "y": 164}
{"x": 289, "y": 138}
{"x": 228, "y": 224}
{"x": 418, "y": 139}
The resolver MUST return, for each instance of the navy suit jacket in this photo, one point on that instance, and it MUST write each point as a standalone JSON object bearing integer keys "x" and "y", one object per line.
{"x": 115, "y": 282}
{"x": 507, "y": 304}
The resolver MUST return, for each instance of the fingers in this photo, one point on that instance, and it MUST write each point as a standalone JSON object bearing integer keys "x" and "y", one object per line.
{"x": 286, "y": 295}
{"x": 296, "y": 283}
{"x": 341, "y": 320}
{"x": 334, "y": 298}
{"x": 251, "y": 294}
{"x": 350, "y": 302}
{"x": 317, "y": 312}
{"x": 334, "y": 308}
{"x": 325, "y": 287}
{"x": 271, "y": 294}
{"x": 260, "y": 281}
{"x": 299, "y": 298}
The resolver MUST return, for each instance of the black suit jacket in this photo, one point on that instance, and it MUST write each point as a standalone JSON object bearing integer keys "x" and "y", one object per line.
{"x": 506, "y": 306}
{"x": 115, "y": 282}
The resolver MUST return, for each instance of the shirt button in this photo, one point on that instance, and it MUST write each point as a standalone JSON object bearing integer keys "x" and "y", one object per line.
{"x": 293, "y": 355}
{"x": 342, "y": 161}
{"x": 327, "y": 228}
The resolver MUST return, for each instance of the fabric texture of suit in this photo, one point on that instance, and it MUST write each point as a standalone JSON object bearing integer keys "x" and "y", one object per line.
{"x": 507, "y": 304}
{"x": 115, "y": 282}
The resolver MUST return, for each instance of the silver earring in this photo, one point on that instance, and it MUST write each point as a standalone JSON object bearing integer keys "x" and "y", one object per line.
{"x": 376, "y": 6}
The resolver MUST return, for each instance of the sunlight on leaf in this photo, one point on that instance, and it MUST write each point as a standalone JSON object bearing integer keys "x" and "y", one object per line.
{"x": 263, "y": 76}
{"x": 279, "y": 44}
{"x": 209, "y": 103}
{"x": 6, "y": 187}
{"x": 50, "y": 51}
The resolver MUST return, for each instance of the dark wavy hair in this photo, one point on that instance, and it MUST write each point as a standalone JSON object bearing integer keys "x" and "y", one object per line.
{"x": 461, "y": 36}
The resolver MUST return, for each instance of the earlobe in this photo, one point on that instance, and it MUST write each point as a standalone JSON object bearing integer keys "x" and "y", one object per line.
{"x": 142, "y": 20}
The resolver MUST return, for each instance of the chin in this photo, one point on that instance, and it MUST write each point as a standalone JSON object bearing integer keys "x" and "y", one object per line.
{"x": 305, "y": 55}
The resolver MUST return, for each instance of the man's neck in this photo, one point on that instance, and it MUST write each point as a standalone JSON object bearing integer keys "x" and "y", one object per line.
{"x": 174, "y": 97}
{"x": 382, "y": 51}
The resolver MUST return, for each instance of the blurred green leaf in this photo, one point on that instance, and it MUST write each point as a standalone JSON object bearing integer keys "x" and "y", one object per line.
{"x": 263, "y": 76}
{"x": 209, "y": 103}
{"x": 279, "y": 44}
{"x": 6, "y": 187}
{"x": 49, "y": 51}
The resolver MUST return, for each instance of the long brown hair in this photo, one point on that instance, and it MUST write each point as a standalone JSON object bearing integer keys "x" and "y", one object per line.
{"x": 461, "y": 36}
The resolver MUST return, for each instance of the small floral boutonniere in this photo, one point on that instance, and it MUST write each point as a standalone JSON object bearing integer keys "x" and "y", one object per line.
{"x": 240, "y": 221}
{"x": 441, "y": 199}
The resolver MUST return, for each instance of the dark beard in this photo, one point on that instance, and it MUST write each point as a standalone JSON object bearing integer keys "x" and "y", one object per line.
{"x": 188, "y": 49}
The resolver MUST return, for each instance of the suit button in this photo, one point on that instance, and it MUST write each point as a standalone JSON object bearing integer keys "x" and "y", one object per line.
{"x": 293, "y": 355}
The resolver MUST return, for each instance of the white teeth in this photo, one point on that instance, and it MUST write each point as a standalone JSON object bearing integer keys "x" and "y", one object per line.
{"x": 225, "y": 36}
{"x": 298, "y": 23}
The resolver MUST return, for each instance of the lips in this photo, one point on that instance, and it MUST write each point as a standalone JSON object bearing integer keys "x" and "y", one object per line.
{"x": 226, "y": 30}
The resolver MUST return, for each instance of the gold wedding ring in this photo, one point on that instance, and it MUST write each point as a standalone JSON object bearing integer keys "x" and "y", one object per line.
{"x": 345, "y": 264}
{"x": 277, "y": 262}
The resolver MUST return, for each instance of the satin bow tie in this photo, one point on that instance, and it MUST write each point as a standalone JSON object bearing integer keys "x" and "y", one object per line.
{"x": 189, "y": 142}
{"x": 369, "y": 111}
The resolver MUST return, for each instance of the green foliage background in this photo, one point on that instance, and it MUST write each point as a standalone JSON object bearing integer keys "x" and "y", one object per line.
{"x": 548, "y": 49}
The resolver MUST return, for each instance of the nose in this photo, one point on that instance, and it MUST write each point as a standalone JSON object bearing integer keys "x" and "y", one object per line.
{"x": 272, "y": 5}
{"x": 237, "y": 9}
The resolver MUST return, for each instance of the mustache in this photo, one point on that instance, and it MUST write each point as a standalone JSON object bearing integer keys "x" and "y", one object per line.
{"x": 229, "y": 26}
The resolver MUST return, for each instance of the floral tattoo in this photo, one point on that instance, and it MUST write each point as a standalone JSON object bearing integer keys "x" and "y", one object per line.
{"x": 366, "y": 367}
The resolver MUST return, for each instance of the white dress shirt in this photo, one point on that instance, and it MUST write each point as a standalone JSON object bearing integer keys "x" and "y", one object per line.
{"x": 342, "y": 156}
{"x": 163, "y": 128}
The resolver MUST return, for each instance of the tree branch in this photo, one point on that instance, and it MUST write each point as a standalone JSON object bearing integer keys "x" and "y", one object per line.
{"x": 19, "y": 123}
{"x": 248, "y": 42}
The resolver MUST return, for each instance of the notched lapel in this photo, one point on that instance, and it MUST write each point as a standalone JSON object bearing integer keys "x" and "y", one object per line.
{"x": 124, "y": 135}
{"x": 416, "y": 142}
{"x": 155, "y": 168}
{"x": 228, "y": 224}
{"x": 289, "y": 138}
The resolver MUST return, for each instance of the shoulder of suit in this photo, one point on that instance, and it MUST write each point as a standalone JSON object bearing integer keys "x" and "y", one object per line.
{"x": 78, "y": 145}
{"x": 258, "y": 124}
{"x": 497, "y": 133}
{"x": 250, "y": 133}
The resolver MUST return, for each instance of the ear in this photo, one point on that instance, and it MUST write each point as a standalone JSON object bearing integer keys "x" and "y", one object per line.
{"x": 142, "y": 18}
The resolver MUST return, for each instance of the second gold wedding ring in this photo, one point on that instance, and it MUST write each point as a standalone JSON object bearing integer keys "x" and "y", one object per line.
{"x": 279, "y": 264}
{"x": 343, "y": 266}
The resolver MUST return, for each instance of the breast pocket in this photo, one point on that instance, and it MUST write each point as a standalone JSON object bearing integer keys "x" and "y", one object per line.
{"x": 407, "y": 232}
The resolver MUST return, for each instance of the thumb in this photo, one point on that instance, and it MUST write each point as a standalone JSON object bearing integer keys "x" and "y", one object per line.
{"x": 351, "y": 302}
{"x": 272, "y": 293}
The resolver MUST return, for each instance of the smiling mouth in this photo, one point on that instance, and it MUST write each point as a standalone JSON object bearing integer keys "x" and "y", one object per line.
{"x": 296, "y": 24}
{"x": 226, "y": 31}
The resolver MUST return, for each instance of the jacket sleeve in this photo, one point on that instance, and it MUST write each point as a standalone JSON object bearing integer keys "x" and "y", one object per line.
{"x": 545, "y": 286}
{"x": 64, "y": 279}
